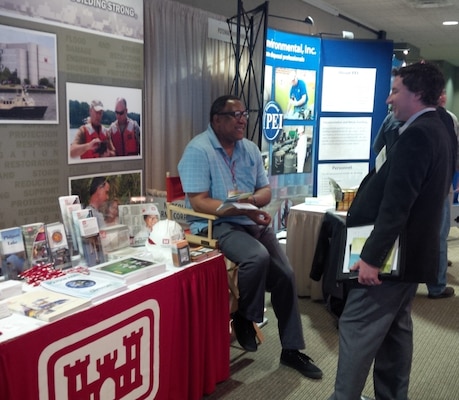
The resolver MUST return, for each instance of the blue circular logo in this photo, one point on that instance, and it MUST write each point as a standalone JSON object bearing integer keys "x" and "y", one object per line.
{"x": 272, "y": 121}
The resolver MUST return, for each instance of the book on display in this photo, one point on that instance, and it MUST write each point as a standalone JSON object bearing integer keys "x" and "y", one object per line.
{"x": 46, "y": 305}
{"x": 58, "y": 245}
{"x": 36, "y": 243}
{"x": 93, "y": 287}
{"x": 67, "y": 205}
{"x": 129, "y": 269}
{"x": 12, "y": 251}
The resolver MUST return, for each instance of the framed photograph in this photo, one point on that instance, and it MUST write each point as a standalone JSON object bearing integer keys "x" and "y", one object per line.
{"x": 104, "y": 123}
{"x": 28, "y": 77}
{"x": 105, "y": 192}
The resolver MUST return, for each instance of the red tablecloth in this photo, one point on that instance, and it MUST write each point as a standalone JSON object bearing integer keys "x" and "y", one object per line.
{"x": 166, "y": 340}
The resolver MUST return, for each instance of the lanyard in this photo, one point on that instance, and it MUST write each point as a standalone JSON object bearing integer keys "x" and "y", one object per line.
{"x": 232, "y": 167}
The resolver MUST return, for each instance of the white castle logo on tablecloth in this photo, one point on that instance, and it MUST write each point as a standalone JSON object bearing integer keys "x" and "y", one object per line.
{"x": 117, "y": 358}
{"x": 126, "y": 377}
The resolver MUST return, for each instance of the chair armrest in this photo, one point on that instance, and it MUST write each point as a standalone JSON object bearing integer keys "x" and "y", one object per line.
{"x": 189, "y": 211}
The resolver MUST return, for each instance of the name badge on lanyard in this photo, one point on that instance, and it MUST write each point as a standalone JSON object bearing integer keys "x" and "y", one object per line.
{"x": 381, "y": 159}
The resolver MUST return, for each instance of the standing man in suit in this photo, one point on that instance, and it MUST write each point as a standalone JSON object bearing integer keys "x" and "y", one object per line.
{"x": 388, "y": 134}
{"x": 402, "y": 197}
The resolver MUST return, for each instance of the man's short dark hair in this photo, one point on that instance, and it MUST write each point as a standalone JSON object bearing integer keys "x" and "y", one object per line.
{"x": 96, "y": 182}
{"x": 423, "y": 78}
{"x": 220, "y": 103}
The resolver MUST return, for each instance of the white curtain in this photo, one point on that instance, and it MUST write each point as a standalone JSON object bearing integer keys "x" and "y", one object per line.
{"x": 185, "y": 71}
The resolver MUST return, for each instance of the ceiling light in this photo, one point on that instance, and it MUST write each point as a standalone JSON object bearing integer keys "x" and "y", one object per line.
{"x": 344, "y": 34}
{"x": 448, "y": 23}
{"x": 308, "y": 20}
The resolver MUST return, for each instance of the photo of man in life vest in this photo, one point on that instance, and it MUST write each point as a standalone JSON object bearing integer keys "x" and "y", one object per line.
{"x": 124, "y": 132}
{"x": 92, "y": 139}
{"x": 101, "y": 127}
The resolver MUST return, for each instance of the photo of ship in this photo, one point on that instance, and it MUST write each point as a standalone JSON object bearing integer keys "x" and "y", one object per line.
{"x": 20, "y": 105}
{"x": 28, "y": 77}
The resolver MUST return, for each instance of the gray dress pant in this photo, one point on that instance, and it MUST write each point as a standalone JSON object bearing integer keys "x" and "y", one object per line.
{"x": 376, "y": 326}
{"x": 263, "y": 266}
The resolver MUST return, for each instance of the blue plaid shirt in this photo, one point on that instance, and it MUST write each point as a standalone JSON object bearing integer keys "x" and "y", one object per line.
{"x": 206, "y": 167}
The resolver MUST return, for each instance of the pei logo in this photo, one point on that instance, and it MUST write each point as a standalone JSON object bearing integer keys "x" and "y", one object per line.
{"x": 117, "y": 358}
{"x": 272, "y": 121}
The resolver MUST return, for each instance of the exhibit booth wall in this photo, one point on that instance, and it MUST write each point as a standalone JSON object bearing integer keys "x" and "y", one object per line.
{"x": 155, "y": 53}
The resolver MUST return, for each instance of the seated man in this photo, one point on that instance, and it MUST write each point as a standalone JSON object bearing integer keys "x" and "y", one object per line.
{"x": 220, "y": 163}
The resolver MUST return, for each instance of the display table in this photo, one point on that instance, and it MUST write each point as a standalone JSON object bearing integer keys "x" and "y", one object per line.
{"x": 303, "y": 228}
{"x": 165, "y": 339}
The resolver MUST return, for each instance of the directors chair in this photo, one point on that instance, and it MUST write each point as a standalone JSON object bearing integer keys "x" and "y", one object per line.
{"x": 174, "y": 196}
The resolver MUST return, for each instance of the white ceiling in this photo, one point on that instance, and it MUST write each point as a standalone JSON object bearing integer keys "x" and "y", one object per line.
{"x": 418, "y": 22}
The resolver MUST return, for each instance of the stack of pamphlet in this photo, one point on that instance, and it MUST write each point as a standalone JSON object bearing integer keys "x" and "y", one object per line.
{"x": 10, "y": 288}
{"x": 201, "y": 252}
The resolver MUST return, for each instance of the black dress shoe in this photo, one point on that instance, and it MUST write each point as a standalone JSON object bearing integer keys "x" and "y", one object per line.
{"x": 301, "y": 362}
{"x": 448, "y": 292}
{"x": 245, "y": 332}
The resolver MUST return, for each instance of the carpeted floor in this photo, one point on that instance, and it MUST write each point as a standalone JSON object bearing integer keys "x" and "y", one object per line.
{"x": 435, "y": 371}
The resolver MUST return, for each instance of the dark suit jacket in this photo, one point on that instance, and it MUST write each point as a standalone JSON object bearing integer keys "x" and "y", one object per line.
{"x": 406, "y": 196}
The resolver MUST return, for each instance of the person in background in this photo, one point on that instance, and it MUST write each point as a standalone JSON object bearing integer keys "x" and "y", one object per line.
{"x": 443, "y": 99}
{"x": 439, "y": 289}
{"x": 151, "y": 216}
{"x": 110, "y": 211}
{"x": 388, "y": 133}
{"x": 402, "y": 197}
{"x": 98, "y": 195}
{"x": 14, "y": 266}
{"x": 92, "y": 139}
{"x": 298, "y": 97}
{"x": 301, "y": 149}
{"x": 124, "y": 132}
{"x": 220, "y": 163}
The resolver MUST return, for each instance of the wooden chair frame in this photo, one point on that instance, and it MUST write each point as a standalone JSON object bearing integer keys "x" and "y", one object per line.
{"x": 174, "y": 192}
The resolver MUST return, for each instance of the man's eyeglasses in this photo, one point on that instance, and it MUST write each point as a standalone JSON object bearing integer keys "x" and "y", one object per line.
{"x": 236, "y": 114}
{"x": 120, "y": 112}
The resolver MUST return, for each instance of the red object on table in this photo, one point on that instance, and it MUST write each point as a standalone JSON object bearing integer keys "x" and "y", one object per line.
{"x": 167, "y": 340}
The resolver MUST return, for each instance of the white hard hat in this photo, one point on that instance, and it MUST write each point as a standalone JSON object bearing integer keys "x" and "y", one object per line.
{"x": 150, "y": 209}
{"x": 164, "y": 233}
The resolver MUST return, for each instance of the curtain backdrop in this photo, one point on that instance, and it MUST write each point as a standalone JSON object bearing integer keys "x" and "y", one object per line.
{"x": 185, "y": 71}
